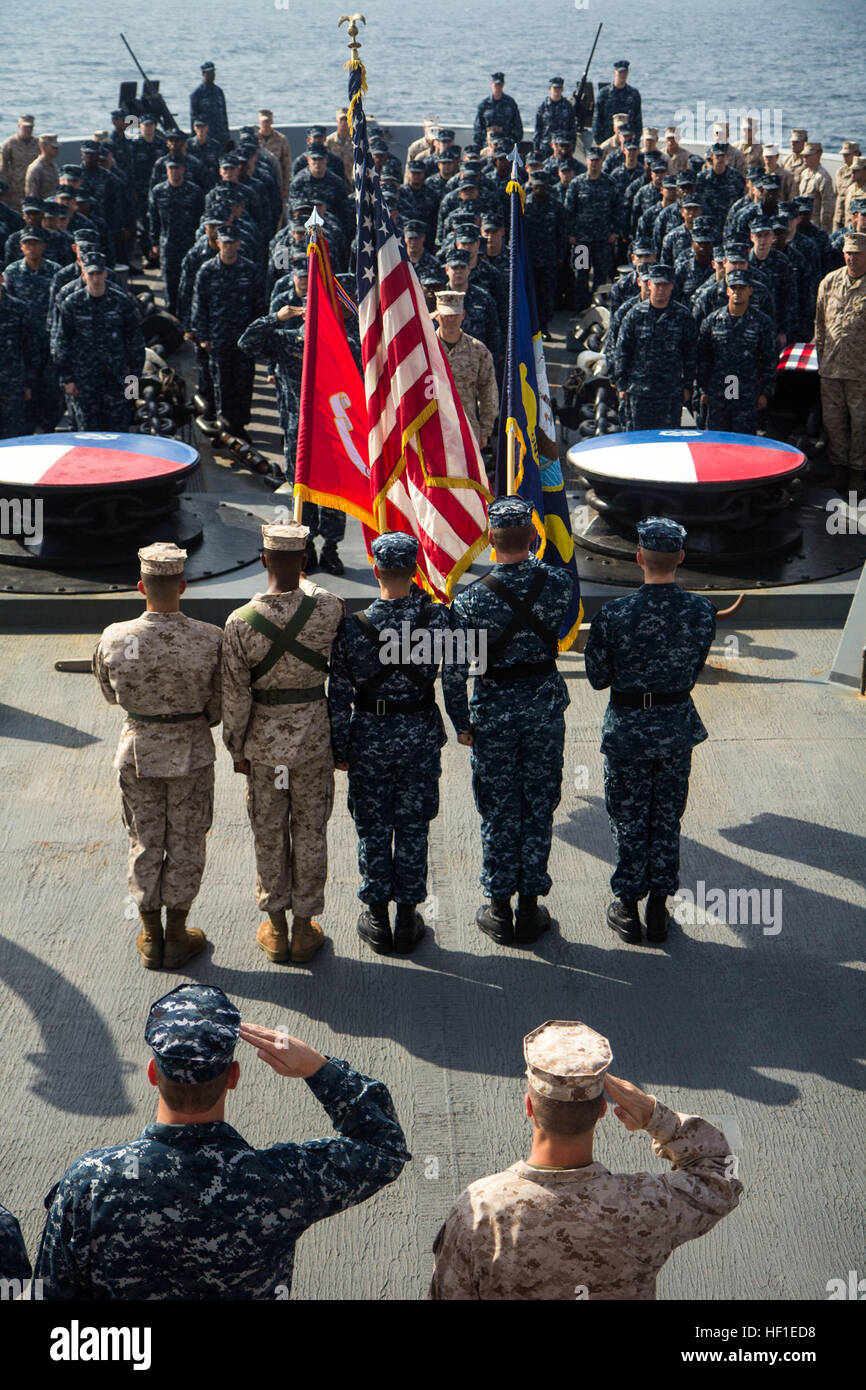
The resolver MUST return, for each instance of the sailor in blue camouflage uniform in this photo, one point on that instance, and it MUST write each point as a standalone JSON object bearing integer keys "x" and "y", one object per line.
{"x": 482, "y": 318}
{"x": 617, "y": 98}
{"x": 720, "y": 186}
{"x": 593, "y": 216}
{"x": 17, "y": 362}
{"x": 497, "y": 110}
{"x": 208, "y": 103}
{"x": 737, "y": 349}
{"x": 173, "y": 213}
{"x": 146, "y": 149}
{"x": 204, "y": 248}
{"x": 649, "y": 648}
{"x": 121, "y": 147}
{"x": 679, "y": 238}
{"x": 189, "y": 1210}
{"x": 694, "y": 266}
{"x": 775, "y": 271}
{"x": 99, "y": 351}
{"x": 387, "y": 733}
{"x": 14, "y": 1260}
{"x": 614, "y": 328}
{"x": 228, "y": 296}
{"x": 545, "y": 225}
{"x": 555, "y": 115}
{"x": 649, "y": 197}
{"x": 656, "y": 355}
{"x": 515, "y": 721}
{"x": 415, "y": 201}
{"x": 30, "y": 279}
{"x": 317, "y": 184}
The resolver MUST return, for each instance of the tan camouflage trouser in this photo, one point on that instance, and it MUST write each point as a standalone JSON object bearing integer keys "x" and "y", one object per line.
{"x": 290, "y": 829}
{"x": 167, "y": 820}
{"x": 843, "y": 406}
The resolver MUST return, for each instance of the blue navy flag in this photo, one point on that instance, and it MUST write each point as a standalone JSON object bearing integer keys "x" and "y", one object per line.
{"x": 526, "y": 412}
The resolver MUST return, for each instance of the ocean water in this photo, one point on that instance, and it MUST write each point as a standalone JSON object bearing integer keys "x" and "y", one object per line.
{"x": 799, "y": 61}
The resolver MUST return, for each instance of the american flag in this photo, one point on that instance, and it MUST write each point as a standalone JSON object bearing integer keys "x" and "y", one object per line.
{"x": 426, "y": 473}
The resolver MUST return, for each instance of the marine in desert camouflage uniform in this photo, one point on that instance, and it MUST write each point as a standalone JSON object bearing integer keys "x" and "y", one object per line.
{"x": 559, "y": 1225}
{"x": 163, "y": 668}
{"x": 275, "y": 725}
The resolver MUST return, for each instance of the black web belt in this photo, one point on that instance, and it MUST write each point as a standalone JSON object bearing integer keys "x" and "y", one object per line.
{"x": 647, "y": 699}
{"x": 520, "y": 670}
{"x": 384, "y": 705}
{"x": 165, "y": 718}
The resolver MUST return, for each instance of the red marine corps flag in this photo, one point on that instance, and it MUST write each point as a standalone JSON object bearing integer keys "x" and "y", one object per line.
{"x": 331, "y": 465}
{"x": 426, "y": 474}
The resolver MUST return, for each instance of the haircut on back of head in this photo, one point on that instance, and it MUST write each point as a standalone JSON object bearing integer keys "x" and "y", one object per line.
{"x": 192, "y": 1098}
{"x": 565, "y": 1117}
{"x": 162, "y": 587}
{"x": 511, "y": 538}
{"x": 285, "y": 564}
{"x": 660, "y": 561}
{"x": 396, "y": 576}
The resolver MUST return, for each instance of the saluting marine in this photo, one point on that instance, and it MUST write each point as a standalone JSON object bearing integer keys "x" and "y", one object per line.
{"x": 649, "y": 648}
{"x": 163, "y": 669}
{"x": 275, "y": 725}
{"x": 559, "y": 1225}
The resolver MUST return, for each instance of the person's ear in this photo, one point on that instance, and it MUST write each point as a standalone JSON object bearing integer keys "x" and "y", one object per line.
{"x": 263, "y": 560}
{"x": 528, "y": 1103}
{"x": 376, "y": 571}
{"x": 234, "y": 1076}
{"x": 140, "y": 588}
{"x": 151, "y": 1072}
{"x": 182, "y": 589}
{"x": 603, "y": 1111}
{"x": 639, "y": 558}
{"x": 681, "y": 557}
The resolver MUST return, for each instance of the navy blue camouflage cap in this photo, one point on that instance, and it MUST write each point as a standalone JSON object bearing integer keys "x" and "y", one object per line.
{"x": 643, "y": 271}
{"x": 568, "y": 162}
{"x": 686, "y": 178}
{"x": 539, "y": 176}
{"x": 631, "y": 142}
{"x": 395, "y": 550}
{"x": 704, "y": 229}
{"x": 319, "y": 151}
{"x": 54, "y": 209}
{"x": 469, "y": 181}
{"x": 89, "y": 147}
{"x": 193, "y": 1032}
{"x": 661, "y": 274}
{"x": 771, "y": 181}
{"x": 556, "y": 82}
{"x": 593, "y": 152}
{"x": 208, "y": 67}
{"x": 655, "y": 161}
{"x": 31, "y": 234}
{"x": 718, "y": 253}
{"x": 229, "y": 233}
{"x": 505, "y": 512}
{"x": 417, "y": 166}
{"x": 32, "y": 204}
{"x": 87, "y": 236}
{"x": 754, "y": 172}
{"x": 445, "y": 132}
{"x": 804, "y": 203}
{"x": 691, "y": 200}
{"x": 213, "y": 219}
{"x": 501, "y": 149}
{"x": 119, "y": 113}
{"x": 779, "y": 224}
{"x": 414, "y": 228}
{"x": 176, "y": 134}
{"x": 229, "y": 160}
{"x": 317, "y": 132}
{"x": 466, "y": 230}
{"x": 737, "y": 250}
{"x": 146, "y": 119}
{"x": 738, "y": 277}
{"x": 719, "y": 147}
{"x": 761, "y": 224}
{"x": 669, "y": 181}
{"x": 561, "y": 137}
{"x": 621, "y": 65}
{"x": 857, "y": 206}
{"x": 300, "y": 264}
{"x": 175, "y": 162}
{"x": 660, "y": 533}
{"x": 93, "y": 260}
{"x": 497, "y": 77}
{"x": 492, "y": 221}
{"x": 457, "y": 257}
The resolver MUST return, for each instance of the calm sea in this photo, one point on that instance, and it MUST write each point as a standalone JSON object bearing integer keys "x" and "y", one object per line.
{"x": 800, "y": 61}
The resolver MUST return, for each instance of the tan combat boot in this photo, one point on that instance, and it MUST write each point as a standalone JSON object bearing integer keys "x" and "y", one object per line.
{"x": 307, "y": 939}
{"x": 181, "y": 942}
{"x": 272, "y": 937}
{"x": 149, "y": 940}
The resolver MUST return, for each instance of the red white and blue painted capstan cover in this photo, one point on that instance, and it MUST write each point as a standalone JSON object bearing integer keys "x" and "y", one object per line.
{"x": 93, "y": 460}
{"x": 678, "y": 457}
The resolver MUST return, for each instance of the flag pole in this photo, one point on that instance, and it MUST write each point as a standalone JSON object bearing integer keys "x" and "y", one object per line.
{"x": 311, "y": 227}
{"x": 511, "y": 445}
{"x": 514, "y": 191}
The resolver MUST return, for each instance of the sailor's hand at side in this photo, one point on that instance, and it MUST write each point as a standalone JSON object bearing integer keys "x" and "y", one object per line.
{"x": 287, "y": 1055}
{"x": 242, "y": 765}
{"x": 341, "y": 767}
{"x": 466, "y": 739}
{"x": 632, "y": 1106}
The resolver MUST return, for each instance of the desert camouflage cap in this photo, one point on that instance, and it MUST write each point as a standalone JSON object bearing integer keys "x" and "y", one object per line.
{"x": 163, "y": 557}
{"x": 449, "y": 301}
{"x": 660, "y": 533}
{"x": 850, "y": 147}
{"x": 395, "y": 550}
{"x": 504, "y": 512}
{"x": 799, "y": 133}
{"x": 192, "y": 1032}
{"x": 566, "y": 1060}
{"x": 285, "y": 535}
{"x": 854, "y": 242}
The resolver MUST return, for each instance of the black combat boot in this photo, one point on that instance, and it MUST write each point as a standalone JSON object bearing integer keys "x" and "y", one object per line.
{"x": 374, "y": 927}
{"x": 622, "y": 918}
{"x": 532, "y": 919}
{"x": 408, "y": 929}
{"x": 656, "y": 918}
{"x": 330, "y": 560}
{"x": 496, "y": 921}
{"x": 311, "y": 562}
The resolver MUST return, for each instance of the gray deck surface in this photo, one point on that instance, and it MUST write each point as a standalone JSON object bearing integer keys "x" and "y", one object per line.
{"x": 724, "y": 1021}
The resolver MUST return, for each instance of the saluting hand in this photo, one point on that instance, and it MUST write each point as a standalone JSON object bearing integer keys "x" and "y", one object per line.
{"x": 242, "y": 765}
{"x": 632, "y": 1106}
{"x": 466, "y": 739}
{"x": 288, "y": 1056}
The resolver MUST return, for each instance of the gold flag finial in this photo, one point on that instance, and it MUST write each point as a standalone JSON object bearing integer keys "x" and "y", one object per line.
{"x": 353, "y": 31}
